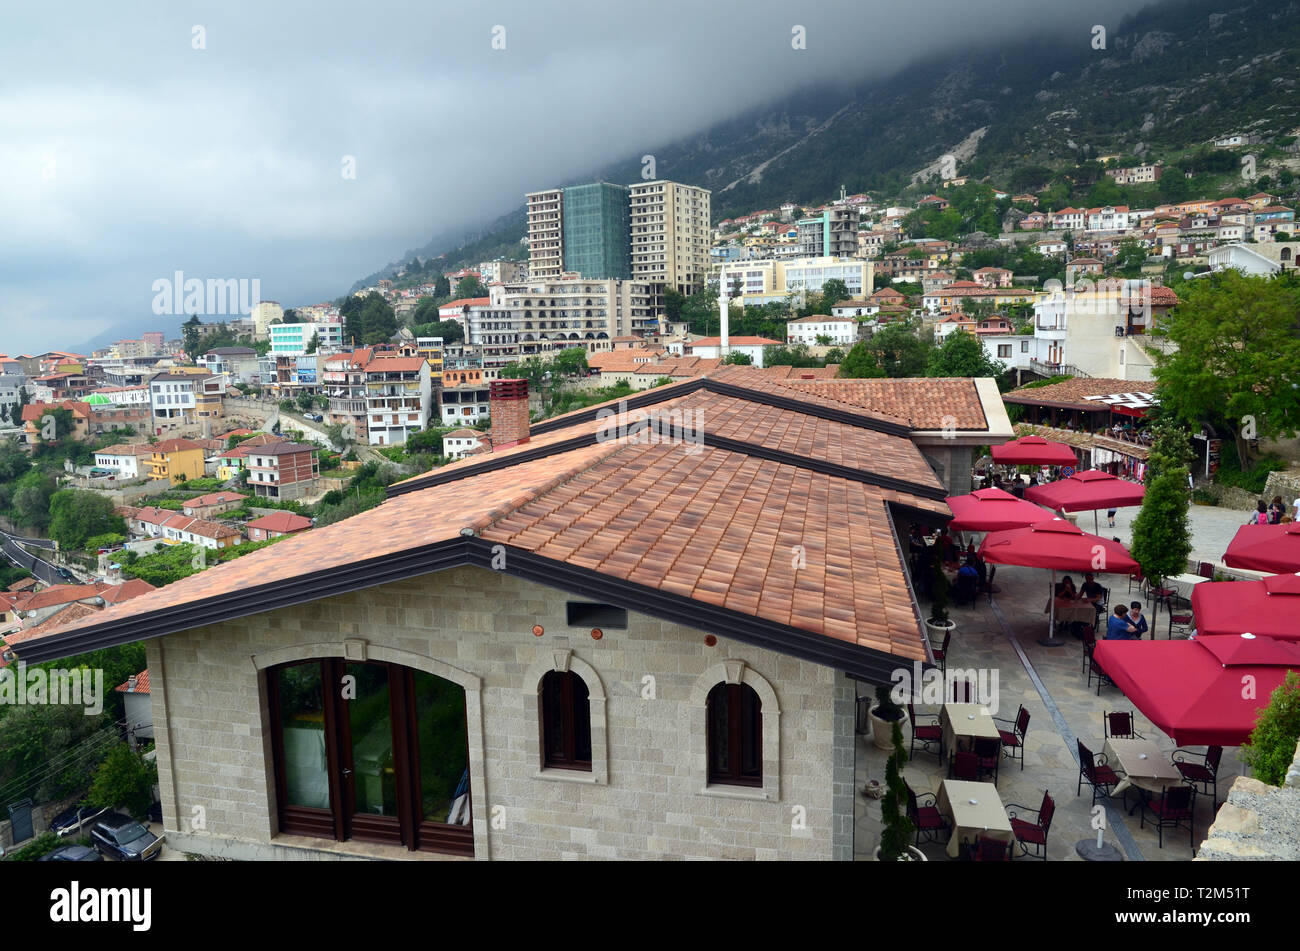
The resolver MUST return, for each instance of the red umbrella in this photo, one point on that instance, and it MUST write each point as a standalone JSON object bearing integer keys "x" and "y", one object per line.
{"x": 1056, "y": 544}
{"x": 991, "y": 510}
{"x": 1265, "y": 548}
{"x": 1086, "y": 491}
{"x": 1202, "y": 692}
{"x": 1269, "y": 607}
{"x": 1034, "y": 451}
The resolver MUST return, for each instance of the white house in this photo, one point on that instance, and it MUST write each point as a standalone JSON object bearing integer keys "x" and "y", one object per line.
{"x": 172, "y": 396}
{"x": 752, "y": 347}
{"x": 461, "y": 442}
{"x": 1050, "y": 247}
{"x": 124, "y": 460}
{"x": 1266, "y": 259}
{"x": 841, "y": 331}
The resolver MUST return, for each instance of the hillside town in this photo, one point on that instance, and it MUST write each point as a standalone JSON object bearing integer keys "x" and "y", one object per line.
{"x": 664, "y": 536}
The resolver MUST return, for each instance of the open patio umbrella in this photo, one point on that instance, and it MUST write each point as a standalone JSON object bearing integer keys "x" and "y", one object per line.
{"x": 1195, "y": 690}
{"x": 1087, "y": 490}
{"x": 1270, "y": 607}
{"x": 1034, "y": 451}
{"x": 1265, "y": 548}
{"x": 992, "y": 510}
{"x": 1056, "y": 544}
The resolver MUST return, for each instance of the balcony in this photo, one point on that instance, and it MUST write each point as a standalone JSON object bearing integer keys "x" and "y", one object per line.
{"x": 1055, "y": 369}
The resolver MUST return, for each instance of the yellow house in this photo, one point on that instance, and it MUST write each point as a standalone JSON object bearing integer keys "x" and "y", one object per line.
{"x": 177, "y": 460}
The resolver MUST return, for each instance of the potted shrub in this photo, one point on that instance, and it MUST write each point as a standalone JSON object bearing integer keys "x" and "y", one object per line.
{"x": 897, "y": 829}
{"x": 884, "y": 717}
{"x": 938, "y": 623}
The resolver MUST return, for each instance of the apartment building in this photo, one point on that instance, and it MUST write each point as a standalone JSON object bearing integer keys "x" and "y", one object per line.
{"x": 764, "y": 282}
{"x": 176, "y": 459}
{"x": 669, "y": 226}
{"x": 294, "y": 339}
{"x": 172, "y": 397}
{"x": 344, "y": 383}
{"x": 820, "y": 328}
{"x": 1138, "y": 175}
{"x": 264, "y": 312}
{"x": 465, "y": 397}
{"x": 237, "y": 364}
{"x": 566, "y": 312}
{"x": 501, "y": 272}
{"x": 832, "y": 233}
{"x": 430, "y": 348}
{"x": 283, "y": 470}
{"x": 545, "y": 233}
{"x": 398, "y": 396}
{"x": 105, "y": 416}
{"x": 596, "y": 237}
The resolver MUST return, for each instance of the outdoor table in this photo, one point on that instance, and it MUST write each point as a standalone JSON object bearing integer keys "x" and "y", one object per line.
{"x": 964, "y": 722}
{"x": 1183, "y": 584}
{"x": 1068, "y": 611}
{"x": 1150, "y": 775}
{"x": 985, "y": 816}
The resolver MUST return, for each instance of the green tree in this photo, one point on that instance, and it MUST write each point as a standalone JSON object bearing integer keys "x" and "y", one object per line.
{"x": 470, "y": 287}
{"x": 737, "y": 358}
{"x": 963, "y": 354}
{"x": 1273, "y": 741}
{"x": 305, "y": 402}
{"x": 191, "y": 336}
{"x": 1162, "y": 535}
{"x": 31, "y": 500}
{"x": 897, "y": 350}
{"x": 1238, "y": 347}
{"x": 124, "y": 780}
{"x": 834, "y": 291}
{"x": 442, "y": 287}
{"x": 313, "y": 343}
{"x": 860, "y": 362}
{"x": 291, "y": 317}
{"x": 76, "y": 515}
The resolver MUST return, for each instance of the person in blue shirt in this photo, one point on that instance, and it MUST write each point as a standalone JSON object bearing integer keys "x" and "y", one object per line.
{"x": 1118, "y": 627}
{"x": 1136, "y": 619}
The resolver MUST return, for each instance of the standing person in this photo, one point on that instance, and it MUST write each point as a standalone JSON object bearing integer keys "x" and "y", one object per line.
{"x": 1118, "y": 627}
{"x": 1136, "y": 619}
{"x": 1110, "y": 516}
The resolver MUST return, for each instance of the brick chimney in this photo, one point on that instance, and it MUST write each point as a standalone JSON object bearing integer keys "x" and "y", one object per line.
{"x": 509, "y": 407}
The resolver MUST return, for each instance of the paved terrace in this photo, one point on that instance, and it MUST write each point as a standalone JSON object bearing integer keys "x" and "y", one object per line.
{"x": 1003, "y": 636}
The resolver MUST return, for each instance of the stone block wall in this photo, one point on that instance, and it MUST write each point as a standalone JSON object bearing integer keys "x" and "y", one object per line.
{"x": 1257, "y": 822}
{"x": 647, "y": 795}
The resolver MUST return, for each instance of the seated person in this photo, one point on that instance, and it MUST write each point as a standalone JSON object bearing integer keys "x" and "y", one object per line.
{"x": 967, "y": 584}
{"x": 1118, "y": 627}
{"x": 1065, "y": 589}
{"x": 1136, "y": 619}
{"x": 1091, "y": 591}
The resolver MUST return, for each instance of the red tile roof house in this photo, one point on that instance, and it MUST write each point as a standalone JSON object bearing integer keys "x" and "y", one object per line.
{"x": 136, "y": 707}
{"x": 553, "y": 627}
{"x": 214, "y": 503}
{"x": 284, "y": 470}
{"x": 275, "y": 525}
{"x": 173, "y": 528}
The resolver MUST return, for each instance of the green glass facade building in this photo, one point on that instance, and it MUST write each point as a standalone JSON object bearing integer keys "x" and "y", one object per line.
{"x": 597, "y": 240}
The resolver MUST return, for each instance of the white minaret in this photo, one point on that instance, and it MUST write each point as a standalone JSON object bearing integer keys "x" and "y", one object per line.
{"x": 724, "y": 306}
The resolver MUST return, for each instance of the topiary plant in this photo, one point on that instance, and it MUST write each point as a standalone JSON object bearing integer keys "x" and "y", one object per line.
{"x": 1273, "y": 741}
{"x": 896, "y": 835}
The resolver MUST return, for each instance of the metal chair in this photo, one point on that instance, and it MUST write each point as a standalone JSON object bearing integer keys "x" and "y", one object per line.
{"x": 1119, "y": 726}
{"x": 964, "y": 765}
{"x": 929, "y": 734}
{"x": 985, "y": 849}
{"x": 1014, "y": 739}
{"x": 1205, "y": 569}
{"x": 1175, "y": 806}
{"x": 926, "y": 817}
{"x": 1094, "y": 770}
{"x": 1095, "y": 670}
{"x": 1089, "y": 638}
{"x": 1204, "y": 774}
{"x": 989, "y": 753}
{"x": 1181, "y": 624}
{"x": 941, "y": 655}
{"x": 1033, "y": 832}
{"x": 963, "y": 691}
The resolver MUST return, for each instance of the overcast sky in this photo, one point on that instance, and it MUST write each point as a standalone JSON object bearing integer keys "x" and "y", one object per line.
{"x": 127, "y": 154}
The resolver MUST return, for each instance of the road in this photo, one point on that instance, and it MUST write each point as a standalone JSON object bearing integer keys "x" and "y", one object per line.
{"x": 43, "y": 570}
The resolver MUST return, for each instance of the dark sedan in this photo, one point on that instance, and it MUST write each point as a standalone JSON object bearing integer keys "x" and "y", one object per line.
{"x": 73, "y": 820}
{"x": 72, "y": 853}
{"x": 124, "y": 839}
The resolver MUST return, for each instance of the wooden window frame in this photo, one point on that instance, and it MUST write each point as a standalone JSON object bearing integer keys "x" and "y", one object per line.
{"x": 734, "y": 698}
{"x": 570, "y": 716}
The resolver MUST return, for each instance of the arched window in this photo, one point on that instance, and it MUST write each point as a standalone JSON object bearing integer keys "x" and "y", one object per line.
{"x": 735, "y": 735}
{"x": 565, "y": 715}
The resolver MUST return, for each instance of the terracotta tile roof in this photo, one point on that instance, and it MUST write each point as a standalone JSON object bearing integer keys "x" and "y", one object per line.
{"x": 280, "y": 522}
{"x": 466, "y": 301}
{"x": 69, "y": 615}
{"x": 687, "y": 366}
{"x": 24, "y": 585}
{"x": 60, "y": 594}
{"x": 920, "y": 402}
{"x": 141, "y": 683}
{"x": 131, "y": 588}
{"x": 214, "y": 498}
{"x": 396, "y": 365}
{"x": 1071, "y": 393}
{"x": 736, "y": 341}
{"x": 175, "y": 445}
{"x": 624, "y": 360}
{"x": 121, "y": 449}
{"x": 714, "y": 525}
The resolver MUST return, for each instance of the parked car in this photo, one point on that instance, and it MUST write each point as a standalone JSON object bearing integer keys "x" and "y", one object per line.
{"x": 72, "y": 853}
{"x": 65, "y": 574}
{"x": 73, "y": 820}
{"x": 124, "y": 839}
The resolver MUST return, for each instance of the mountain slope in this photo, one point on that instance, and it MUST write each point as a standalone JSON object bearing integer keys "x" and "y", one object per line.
{"x": 1172, "y": 77}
